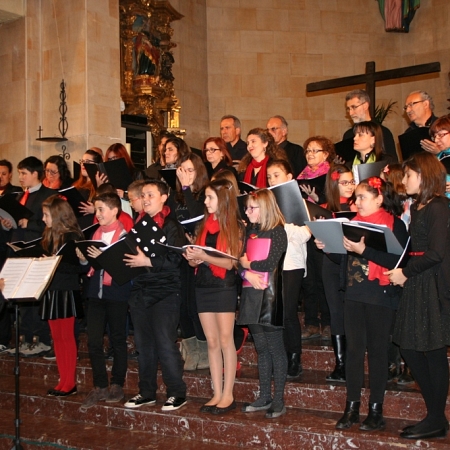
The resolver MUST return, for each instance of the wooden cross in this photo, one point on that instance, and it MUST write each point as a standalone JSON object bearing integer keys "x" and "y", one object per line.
{"x": 371, "y": 77}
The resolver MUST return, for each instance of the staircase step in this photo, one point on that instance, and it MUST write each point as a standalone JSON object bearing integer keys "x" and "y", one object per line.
{"x": 308, "y": 391}
{"x": 299, "y": 428}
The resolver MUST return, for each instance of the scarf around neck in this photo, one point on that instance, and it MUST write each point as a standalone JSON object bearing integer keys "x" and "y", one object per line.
{"x": 160, "y": 217}
{"x": 118, "y": 229}
{"x": 261, "y": 180}
{"x": 321, "y": 169}
{"x": 381, "y": 217}
{"x": 212, "y": 227}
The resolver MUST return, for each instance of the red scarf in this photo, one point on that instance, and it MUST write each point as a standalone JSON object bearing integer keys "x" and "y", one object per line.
{"x": 160, "y": 217}
{"x": 212, "y": 227}
{"x": 118, "y": 229}
{"x": 261, "y": 180}
{"x": 381, "y": 217}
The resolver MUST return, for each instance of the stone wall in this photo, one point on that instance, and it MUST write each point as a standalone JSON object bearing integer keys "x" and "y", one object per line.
{"x": 32, "y": 69}
{"x": 262, "y": 53}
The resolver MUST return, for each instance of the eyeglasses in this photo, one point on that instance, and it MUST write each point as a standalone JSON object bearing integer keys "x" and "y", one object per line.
{"x": 113, "y": 158}
{"x": 347, "y": 182}
{"x": 353, "y": 107}
{"x": 273, "y": 129}
{"x": 439, "y": 135}
{"x": 131, "y": 200}
{"x": 190, "y": 170}
{"x": 212, "y": 150}
{"x": 86, "y": 161}
{"x": 411, "y": 104}
{"x": 51, "y": 172}
{"x": 250, "y": 209}
{"x": 314, "y": 151}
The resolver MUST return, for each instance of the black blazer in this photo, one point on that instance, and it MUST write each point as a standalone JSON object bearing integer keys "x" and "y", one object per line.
{"x": 296, "y": 156}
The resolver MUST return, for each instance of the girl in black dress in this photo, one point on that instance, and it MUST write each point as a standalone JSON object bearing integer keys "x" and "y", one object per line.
{"x": 60, "y": 304}
{"x": 422, "y": 328}
{"x": 216, "y": 290}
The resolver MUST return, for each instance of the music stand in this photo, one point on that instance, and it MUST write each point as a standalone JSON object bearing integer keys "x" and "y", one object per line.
{"x": 16, "y": 441}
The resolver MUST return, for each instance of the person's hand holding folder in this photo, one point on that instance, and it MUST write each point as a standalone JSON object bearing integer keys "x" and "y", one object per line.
{"x": 354, "y": 247}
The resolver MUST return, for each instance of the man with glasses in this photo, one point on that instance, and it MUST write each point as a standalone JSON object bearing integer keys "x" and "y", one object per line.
{"x": 419, "y": 108}
{"x": 357, "y": 104}
{"x": 278, "y": 128}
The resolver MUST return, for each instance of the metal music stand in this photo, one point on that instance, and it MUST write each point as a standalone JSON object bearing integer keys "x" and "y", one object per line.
{"x": 16, "y": 441}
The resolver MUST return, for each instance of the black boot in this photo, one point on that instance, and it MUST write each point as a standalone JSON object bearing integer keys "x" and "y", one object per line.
{"x": 294, "y": 365}
{"x": 339, "y": 345}
{"x": 351, "y": 416}
{"x": 374, "y": 420}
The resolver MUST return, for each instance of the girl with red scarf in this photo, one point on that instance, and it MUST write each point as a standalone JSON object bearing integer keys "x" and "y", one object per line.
{"x": 216, "y": 290}
{"x": 370, "y": 302}
{"x": 261, "y": 147}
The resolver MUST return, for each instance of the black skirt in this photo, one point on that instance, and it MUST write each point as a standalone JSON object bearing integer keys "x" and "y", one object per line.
{"x": 61, "y": 305}
{"x": 216, "y": 300}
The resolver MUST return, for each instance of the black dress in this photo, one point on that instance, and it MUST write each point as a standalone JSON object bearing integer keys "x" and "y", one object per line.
{"x": 62, "y": 299}
{"x": 422, "y": 323}
{"x": 214, "y": 294}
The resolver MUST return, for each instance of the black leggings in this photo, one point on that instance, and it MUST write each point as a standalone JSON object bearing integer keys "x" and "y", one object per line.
{"x": 430, "y": 370}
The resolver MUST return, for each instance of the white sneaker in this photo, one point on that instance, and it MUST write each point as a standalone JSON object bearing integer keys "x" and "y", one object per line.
{"x": 34, "y": 350}
{"x": 4, "y": 348}
{"x": 22, "y": 347}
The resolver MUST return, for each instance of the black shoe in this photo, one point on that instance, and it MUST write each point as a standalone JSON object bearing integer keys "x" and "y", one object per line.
{"x": 207, "y": 408}
{"x": 350, "y": 417}
{"x": 53, "y": 393}
{"x": 73, "y": 391}
{"x": 216, "y": 410}
{"x": 138, "y": 401}
{"x": 174, "y": 403}
{"x": 436, "y": 433}
{"x": 294, "y": 366}
{"x": 374, "y": 421}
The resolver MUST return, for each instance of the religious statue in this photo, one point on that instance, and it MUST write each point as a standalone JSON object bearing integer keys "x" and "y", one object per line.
{"x": 398, "y": 14}
{"x": 146, "y": 51}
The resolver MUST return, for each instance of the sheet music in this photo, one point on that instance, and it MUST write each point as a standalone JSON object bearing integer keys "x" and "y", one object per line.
{"x": 36, "y": 277}
{"x": 12, "y": 272}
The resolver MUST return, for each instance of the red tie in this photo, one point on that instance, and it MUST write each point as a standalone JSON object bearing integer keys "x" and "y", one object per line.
{"x": 24, "y": 198}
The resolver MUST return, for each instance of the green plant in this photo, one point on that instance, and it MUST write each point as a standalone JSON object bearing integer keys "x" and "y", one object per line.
{"x": 381, "y": 111}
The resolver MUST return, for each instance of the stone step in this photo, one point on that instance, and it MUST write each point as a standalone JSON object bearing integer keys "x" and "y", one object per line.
{"x": 113, "y": 424}
{"x": 308, "y": 391}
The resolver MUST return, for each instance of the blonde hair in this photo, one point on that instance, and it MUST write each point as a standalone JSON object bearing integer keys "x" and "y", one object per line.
{"x": 270, "y": 215}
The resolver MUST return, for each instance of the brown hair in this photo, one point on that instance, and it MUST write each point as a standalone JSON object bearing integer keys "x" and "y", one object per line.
{"x": 222, "y": 146}
{"x": 200, "y": 180}
{"x": 283, "y": 164}
{"x": 374, "y": 129}
{"x": 442, "y": 123}
{"x": 393, "y": 173}
{"x": 231, "y": 228}
{"x": 227, "y": 175}
{"x": 111, "y": 200}
{"x": 272, "y": 149}
{"x": 325, "y": 144}
{"x": 63, "y": 222}
{"x": 270, "y": 215}
{"x": 432, "y": 176}
{"x": 391, "y": 200}
{"x": 332, "y": 195}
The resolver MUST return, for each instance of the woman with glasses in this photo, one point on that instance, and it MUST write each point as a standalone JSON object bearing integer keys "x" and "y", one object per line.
{"x": 260, "y": 148}
{"x": 339, "y": 191}
{"x": 216, "y": 156}
{"x": 440, "y": 135}
{"x": 319, "y": 152}
{"x": 57, "y": 174}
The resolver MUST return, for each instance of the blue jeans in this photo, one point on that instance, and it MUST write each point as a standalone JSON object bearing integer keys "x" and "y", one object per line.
{"x": 155, "y": 336}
